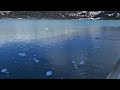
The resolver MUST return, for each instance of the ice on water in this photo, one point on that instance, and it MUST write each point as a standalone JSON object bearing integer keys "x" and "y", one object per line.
{"x": 4, "y": 70}
{"x": 73, "y": 61}
{"x": 22, "y": 54}
{"x": 36, "y": 61}
{"x": 49, "y": 73}
{"x": 82, "y": 62}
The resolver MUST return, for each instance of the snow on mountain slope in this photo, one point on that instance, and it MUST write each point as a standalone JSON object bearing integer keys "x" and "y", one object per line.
{"x": 61, "y": 14}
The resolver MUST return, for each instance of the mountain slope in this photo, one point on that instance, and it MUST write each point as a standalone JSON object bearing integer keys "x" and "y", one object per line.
{"x": 61, "y": 14}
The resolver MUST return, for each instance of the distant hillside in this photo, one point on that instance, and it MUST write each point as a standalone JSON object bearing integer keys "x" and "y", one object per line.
{"x": 62, "y": 14}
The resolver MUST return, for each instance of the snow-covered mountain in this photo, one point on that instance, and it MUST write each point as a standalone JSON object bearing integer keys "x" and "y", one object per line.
{"x": 61, "y": 14}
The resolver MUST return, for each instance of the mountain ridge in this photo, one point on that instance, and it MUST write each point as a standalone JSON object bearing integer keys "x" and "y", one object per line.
{"x": 99, "y": 15}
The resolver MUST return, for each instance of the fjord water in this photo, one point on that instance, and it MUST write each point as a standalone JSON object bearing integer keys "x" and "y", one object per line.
{"x": 58, "y": 49}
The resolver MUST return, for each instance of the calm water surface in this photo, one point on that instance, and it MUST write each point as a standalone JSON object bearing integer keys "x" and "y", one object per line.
{"x": 58, "y": 49}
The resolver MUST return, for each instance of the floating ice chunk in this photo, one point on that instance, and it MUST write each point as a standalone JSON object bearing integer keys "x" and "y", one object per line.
{"x": 76, "y": 67}
{"x": 4, "y": 70}
{"x": 73, "y": 61}
{"x": 49, "y": 73}
{"x": 82, "y": 62}
{"x": 46, "y": 28}
{"x": 22, "y": 54}
{"x": 37, "y": 61}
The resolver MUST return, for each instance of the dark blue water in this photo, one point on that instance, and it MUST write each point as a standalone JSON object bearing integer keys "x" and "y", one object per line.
{"x": 58, "y": 49}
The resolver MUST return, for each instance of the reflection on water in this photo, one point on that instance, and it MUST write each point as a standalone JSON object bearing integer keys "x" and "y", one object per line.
{"x": 39, "y": 49}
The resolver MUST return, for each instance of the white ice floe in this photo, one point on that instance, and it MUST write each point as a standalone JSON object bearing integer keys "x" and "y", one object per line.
{"x": 4, "y": 70}
{"x": 49, "y": 73}
{"x": 75, "y": 65}
{"x": 73, "y": 61}
{"x": 82, "y": 62}
{"x": 36, "y": 61}
{"x": 22, "y": 54}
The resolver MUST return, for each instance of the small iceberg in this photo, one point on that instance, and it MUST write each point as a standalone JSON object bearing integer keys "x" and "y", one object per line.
{"x": 4, "y": 71}
{"x": 73, "y": 61}
{"x": 49, "y": 73}
{"x": 36, "y": 61}
{"x": 76, "y": 67}
{"x": 22, "y": 54}
{"x": 82, "y": 62}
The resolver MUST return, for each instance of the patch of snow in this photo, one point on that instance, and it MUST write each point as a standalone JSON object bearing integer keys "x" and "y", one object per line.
{"x": 4, "y": 12}
{"x": 4, "y": 71}
{"x": 22, "y": 54}
{"x": 93, "y": 13}
{"x": 111, "y": 14}
{"x": 82, "y": 62}
{"x": 19, "y": 18}
{"x": 118, "y": 14}
{"x": 49, "y": 73}
{"x": 97, "y": 18}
